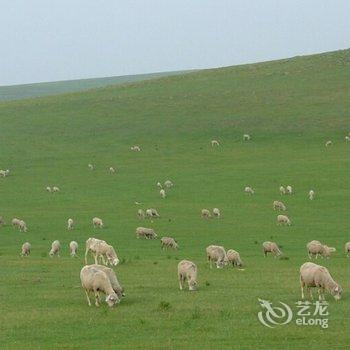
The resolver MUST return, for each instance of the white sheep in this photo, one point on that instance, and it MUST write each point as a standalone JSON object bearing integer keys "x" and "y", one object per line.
{"x": 216, "y": 212}
{"x": 26, "y": 247}
{"x": 234, "y": 258}
{"x": 215, "y": 143}
{"x": 282, "y": 190}
{"x": 347, "y": 138}
{"x": 314, "y": 249}
{"x": 278, "y": 205}
{"x": 101, "y": 249}
{"x": 112, "y": 170}
{"x": 249, "y": 190}
{"x": 316, "y": 276}
{"x": 205, "y": 214}
{"x": 136, "y": 148}
{"x": 73, "y": 248}
{"x": 289, "y": 189}
{"x": 328, "y": 143}
{"x": 15, "y": 222}
{"x": 168, "y": 242}
{"x": 311, "y": 195}
{"x": 55, "y": 249}
{"x": 152, "y": 213}
{"x": 347, "y": 248}
{"x": 162, "y": 193}
{"x": 246, "y": 137}
{"x": 91, "y": 167}
{"x": 187, "y": 271}
{"x": 95, "y": 280}
{"x": 140, "y": 214}
{"x": 159, "y": 185}
{"x": 22, "y": 226}
{"x": 4, "y": 173}
{"x": 145, "y": 232}
{"x": 283, "y": 220}
{"x": 49, "y": 189}
{"x": 97, "y": 222}
{"x": 70, "y": 224}
{"x": 168, "y": 184}
{"x": 216, "y": 254}
{"x": 55, "y": 189}
{"x": 271, "y": 247}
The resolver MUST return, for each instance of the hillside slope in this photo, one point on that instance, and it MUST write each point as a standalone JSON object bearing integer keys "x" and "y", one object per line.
{"x": 289, "y": 107}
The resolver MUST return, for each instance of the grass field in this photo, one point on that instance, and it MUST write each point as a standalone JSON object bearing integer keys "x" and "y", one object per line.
{"x": 289, "y": 107}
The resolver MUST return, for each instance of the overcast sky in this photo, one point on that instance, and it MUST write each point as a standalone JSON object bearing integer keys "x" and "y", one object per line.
{"x": 49, "y": 40}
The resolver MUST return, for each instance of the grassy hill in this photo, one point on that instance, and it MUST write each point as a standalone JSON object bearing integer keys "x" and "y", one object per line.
{"x": 16, "y": 92}
{"x": 289, "y": 107}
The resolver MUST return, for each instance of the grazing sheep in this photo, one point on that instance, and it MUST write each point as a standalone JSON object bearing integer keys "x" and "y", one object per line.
{"x": 148, "y": 233}
{"x": 162, "y": 193}
{"x": 311, "y": 195}
{"x": 289, "y": 189}
{"x": 271, "y": 247}
{"x": 55, "y": 189}
{"x": 327, "y": 251}
{"x": 91, "y": 167}
{"x": 49, "y": 189}
{"x": 152, "y": 213}
{"x": 70, "y": 224}
{"x": 277, "y": 205}
{"x": 282, "y": 190}
{"x": 73, "y": 248}
{"x": 22, "y": 226}
{"x": 283, "y": 219}
{"x": 216, "y": 254}
{"x": 316, "y": 276}
{"x": 141, "y": 214}
{"x": 136, "y": 148}
{"x": 234, "y": 258}
{"x": 347, "y": 138}
{"x": 95, "y": 280}
{"x": 4, "y": 173}
{"x": 246, "y": 137}
{"x": 26, "y": 249}
{"x": 100, "y": 249}
{"x": 249, "y": 190}
{"x": 97, "y": 222}
{"x": 169, "y": 242}
{"x": 168, "y": 184}
{"x": 314, "y": 248}
{"x": 328, "y": 143}
{"x": 205, "y": 214}
{"x": 15, "y": 222}
{"x": 347, "y": 248}
{"x": 216, "y": 212}
{"x": 111, "y": 170}
{"x": 187, "y": 270}
{"x": 159, "y": 185}
{"x": 55, "y": 249}
{"x": 215, "y": 143}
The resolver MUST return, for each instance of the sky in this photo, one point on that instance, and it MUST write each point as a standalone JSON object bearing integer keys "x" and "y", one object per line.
{"x": 51, "y": 40}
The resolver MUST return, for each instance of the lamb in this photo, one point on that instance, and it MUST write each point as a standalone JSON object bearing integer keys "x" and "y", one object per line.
{"x": 162, "y": 193}
{"x": 311, "y": 195}
{"x": 100, "y": 249}
{"x": 277, "y": 205}
{"x": 97, "y": 222}
{"x": 141, "y": 214}
{"x": 168, "y": 242}
{"x": 168, "y": 184}
{"x": 55, "y": 249}
{"x": 95, "y": 280}
{"x": 313, "y": 275}
{"x": 22, "y": 226}
{"x": 70, "y": 224}
{"x": 111, "y": 170}
{"x": 282, "y": 190}
{"x": 187, "y": 270}
{"x": 246, "y": 137}
{"x": 289, "y": 189}
{"x": 26, "y": 249}
{"x": 205, "y": 214}
{"x": 136, "y": 148}
{"x": 283, "y": 219}
{"x": 91, "y": 167}
{"x": 249, "y": 190}
{"x": 234, "y": 258}
{"x": 148, "y": 233}
{"x": 73, "y": 249}
{"x": 216, "y": 212}
{"x": 328, "y": 143}
{"x": 55, "y": 189}
{"x": 49, "y": 189}
{"x": 271, "y": 247}
{"x": 347, "y": 248}
{"x": 216, "y": 254}
{"x": 152, "y": 213}
{"x": 215, "y": 143}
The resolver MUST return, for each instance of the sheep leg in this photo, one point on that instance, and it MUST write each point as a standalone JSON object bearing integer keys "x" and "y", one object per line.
{"x": 86, "y": 253}
{"x": 180, "y": 282}
{"x": 97, "y": 298}
{"x": 310, "y": 293}
{"x": 87, "y": 297}
{"x": 302, "y": 285}
{"x": 95, "y": 257}
{"x": 319, "y": 292}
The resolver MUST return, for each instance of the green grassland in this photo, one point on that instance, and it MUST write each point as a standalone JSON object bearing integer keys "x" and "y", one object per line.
{"x": 289, "y": 107}
{"x": 17, "y": 92}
